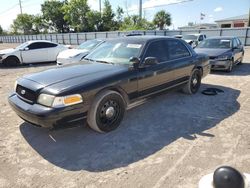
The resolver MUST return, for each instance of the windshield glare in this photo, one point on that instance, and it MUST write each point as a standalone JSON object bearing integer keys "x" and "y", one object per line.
{"x": 189, "y": 37}
{"x": 215, "y": 43}
{"x": 115, "y": 52}
{"x": 89, "y": 45}
{"x": 22, "y": 46}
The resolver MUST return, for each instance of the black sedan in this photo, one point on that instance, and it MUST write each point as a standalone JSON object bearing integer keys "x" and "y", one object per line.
{"x": 223, "y": 52}
{"x": 117, "y": 73}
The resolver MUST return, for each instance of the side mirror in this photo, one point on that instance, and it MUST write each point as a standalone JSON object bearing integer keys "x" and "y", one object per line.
{"x": 24, "y": 49}
{"x": 135, "y": 62}
{"x": 149, "y": 61}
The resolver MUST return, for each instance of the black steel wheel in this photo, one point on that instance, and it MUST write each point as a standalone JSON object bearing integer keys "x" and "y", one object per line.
{"x": 194, "y": 82}
{"x": 106, "y": 112}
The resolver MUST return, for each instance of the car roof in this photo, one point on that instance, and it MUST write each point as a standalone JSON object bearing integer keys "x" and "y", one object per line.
{"x": 33, "y": 41}
{"x": 222, "y": 37}
{"x": 140, "y": 39}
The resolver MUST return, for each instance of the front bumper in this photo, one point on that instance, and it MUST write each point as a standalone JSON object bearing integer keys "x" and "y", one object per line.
{"x": 219, "y": 64}
{"x": 44, "y": 116}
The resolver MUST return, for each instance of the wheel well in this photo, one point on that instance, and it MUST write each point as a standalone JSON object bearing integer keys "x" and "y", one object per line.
{"x": 200, "y": 69}
{"x": 118, "y": 90}
{"x": 13, "y": 56}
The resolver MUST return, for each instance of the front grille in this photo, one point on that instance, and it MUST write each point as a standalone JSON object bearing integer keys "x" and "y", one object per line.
{"x": 26, "y": 94}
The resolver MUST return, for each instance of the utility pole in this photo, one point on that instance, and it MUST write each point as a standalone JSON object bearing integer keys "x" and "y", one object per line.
{"x": 249, "y": 18}
{"x": 140, "y": 9}
{"x": 100, "y": 5}
{"x": 20, "y": 4}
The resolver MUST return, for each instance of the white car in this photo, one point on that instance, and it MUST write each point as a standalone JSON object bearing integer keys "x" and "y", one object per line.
{"x": 194, "y": 39}
{"x": 31, "y": 52}
{"x": 76, "y": 55}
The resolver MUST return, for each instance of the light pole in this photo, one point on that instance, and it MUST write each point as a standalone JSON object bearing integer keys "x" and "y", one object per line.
{"x": 100, "y": 5}
{"x": 140, "y": 9}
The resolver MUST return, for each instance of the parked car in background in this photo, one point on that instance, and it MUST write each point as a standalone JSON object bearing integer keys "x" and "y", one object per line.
{"x": 194, "y": 39}
{"x": 36, "y": 51}
{"x": 115, "y": 74}
{"x": 178, "y": 36}
{"x": 223, "y": 52}
{"x": 75, "y": 55}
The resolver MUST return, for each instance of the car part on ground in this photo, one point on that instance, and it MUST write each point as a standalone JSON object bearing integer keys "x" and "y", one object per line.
{"x": 212, "y": 91}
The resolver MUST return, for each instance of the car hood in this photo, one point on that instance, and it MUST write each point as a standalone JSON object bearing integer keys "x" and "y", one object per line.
{"x": 7, "y": 51}
{"x": 61, "y": 78}
{"x": 211, "y": 52}
{"x": 71, "y": 53}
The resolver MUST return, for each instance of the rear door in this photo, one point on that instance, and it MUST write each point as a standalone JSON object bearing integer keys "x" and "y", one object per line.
{"x": 181, "y": 58}
{"x": 37, "y": 52}
{"x": 53, "y": 51}
{"x": 155, "y": 77}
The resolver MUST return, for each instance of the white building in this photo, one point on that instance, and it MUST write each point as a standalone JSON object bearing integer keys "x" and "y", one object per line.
{"x": 237, "y": 21}
{"x": 199, "y": 26}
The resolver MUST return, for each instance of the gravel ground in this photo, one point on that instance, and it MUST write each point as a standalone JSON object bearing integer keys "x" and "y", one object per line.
{"x": 171, "y": 140}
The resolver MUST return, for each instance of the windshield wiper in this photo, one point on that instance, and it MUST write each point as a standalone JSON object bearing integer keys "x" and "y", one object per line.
{"x": 101, "y": 61}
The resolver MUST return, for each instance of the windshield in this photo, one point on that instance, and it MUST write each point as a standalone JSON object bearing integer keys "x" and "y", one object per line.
{"x": 22, "y": 46}
{"x": 89, "y": 45}
{"x": 118, "y": 52}
{"x": 215, "y": 43}
{"x": 189, "y": 37}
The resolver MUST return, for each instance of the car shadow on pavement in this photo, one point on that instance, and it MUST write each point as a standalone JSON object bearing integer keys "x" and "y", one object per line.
{"x": 145, "y": 130}
{"x": 28, "y": 65}
{"x": 238, "y": 70}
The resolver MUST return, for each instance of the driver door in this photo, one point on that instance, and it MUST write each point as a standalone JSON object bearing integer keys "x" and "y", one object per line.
{"x": 36, "y": 52}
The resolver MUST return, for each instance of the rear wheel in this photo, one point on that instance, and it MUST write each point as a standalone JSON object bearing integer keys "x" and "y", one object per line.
{"x": 11, "y": 61}
{"x": 194, "y": 82}
{"x": 106, "y": 112}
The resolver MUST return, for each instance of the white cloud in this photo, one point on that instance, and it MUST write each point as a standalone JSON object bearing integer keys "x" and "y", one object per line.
{"x": 218, "y": 9}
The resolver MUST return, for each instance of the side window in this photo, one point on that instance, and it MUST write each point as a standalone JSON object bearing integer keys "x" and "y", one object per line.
{"x": 205, "y": 36}
{"x": 177, "y": 49}
{"x": 235, "y": 45}
{"x": 49, "y": 45}
{"x": 239, "y": 42}
{"x": 36, "y": 45}
{"x": 157, "y": 49}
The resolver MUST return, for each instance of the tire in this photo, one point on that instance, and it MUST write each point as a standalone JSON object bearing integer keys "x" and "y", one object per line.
{"x": 106, "y": 111}
{"x": 241, "y": 59}
{"x": 194, "y": 83}
{"x": 11, "y": 61}
{"x": 230, "y": 68}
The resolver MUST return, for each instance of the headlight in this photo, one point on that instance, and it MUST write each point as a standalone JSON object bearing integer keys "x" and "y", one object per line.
{"x": 56, "y": 102}
{"x": 223, "y": 57}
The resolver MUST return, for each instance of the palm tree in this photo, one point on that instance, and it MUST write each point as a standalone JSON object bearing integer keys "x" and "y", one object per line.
{"x": 162, "y": 18}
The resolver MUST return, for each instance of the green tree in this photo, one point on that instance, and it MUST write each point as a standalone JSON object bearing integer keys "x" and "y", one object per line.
{"x": 39, "y": 25}
{"x": 23, "y": 24}
{"x": 108, "y": 17}
{"x": 134, "y": 22}
{"x": 53, "y": 14}
{"x": 119, "y": 17}
{"x": 94, "y": 20}
{"x": 162, "y": 19}
{"x": 76, "y": 12}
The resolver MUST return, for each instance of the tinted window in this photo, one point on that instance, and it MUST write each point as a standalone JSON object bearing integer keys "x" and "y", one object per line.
{"x": 238, "y": 41}
{"x": 157, "y": 49}
{"x": 177, "y": 49}
{"x": 49, "y": 45}
{"x": 39, "y": 45}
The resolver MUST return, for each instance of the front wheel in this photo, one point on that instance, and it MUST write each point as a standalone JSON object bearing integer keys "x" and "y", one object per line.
{"x": 230, "y": 67}
{"x": 194, "y": 82}
{"x": 106, "y": 111}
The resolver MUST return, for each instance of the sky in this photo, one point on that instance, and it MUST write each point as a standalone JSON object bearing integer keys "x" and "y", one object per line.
{"x": 181, "y": 12}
